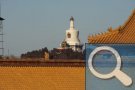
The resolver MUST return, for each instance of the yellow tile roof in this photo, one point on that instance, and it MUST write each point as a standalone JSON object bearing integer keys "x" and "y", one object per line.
{"x": 42, "y": 78}
{"x": 122, "y": 34}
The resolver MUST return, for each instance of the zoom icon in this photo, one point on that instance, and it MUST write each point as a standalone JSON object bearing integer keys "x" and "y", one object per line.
{"x": 110, "y": 66}
{"x": 117, "y": 72}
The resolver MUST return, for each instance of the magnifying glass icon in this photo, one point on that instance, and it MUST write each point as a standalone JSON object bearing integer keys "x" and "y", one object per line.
{"x": 123, "y": 77}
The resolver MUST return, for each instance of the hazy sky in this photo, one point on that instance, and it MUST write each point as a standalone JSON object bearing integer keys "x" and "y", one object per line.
{"x": 34, "y": 24}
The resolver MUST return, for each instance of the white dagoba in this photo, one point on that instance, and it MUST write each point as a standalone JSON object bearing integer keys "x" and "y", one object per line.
{"x": 72, "y": 37}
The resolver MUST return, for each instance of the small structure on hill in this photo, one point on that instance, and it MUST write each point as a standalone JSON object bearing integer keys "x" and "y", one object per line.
{"x": 47, "y": 56}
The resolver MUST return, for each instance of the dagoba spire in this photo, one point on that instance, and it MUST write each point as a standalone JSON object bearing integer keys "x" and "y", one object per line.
{"x": 71, "y": 22}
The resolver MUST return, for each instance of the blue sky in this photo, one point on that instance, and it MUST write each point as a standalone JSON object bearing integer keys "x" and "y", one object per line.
{"x": 34, "y": 24}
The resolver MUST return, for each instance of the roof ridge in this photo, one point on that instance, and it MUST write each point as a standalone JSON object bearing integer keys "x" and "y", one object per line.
{"x": 119, "y": 28}
{"x": 114, "y": 31}
{"x": 128, "y": 20}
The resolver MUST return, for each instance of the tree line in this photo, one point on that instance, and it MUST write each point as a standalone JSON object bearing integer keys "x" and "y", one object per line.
{"x": 54, "y": 54}
{"x": 35, "y": 53}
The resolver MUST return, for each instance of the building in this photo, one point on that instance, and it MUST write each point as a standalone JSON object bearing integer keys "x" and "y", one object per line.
{"x": 71, "y": 46}
{"x": 72, "y": 38}
{"x": 122, "y": 34}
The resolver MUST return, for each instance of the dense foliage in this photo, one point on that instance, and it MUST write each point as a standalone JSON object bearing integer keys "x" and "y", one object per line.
{"x": 35, "y": 53}
{"x": 65, "y": 54}
{"x": 54, "y": 54}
